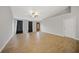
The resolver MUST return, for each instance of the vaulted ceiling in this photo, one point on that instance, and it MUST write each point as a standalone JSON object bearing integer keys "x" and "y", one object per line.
{"x": 24, "y": 12}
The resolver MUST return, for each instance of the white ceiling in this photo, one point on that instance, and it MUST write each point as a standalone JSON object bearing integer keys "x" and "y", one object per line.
{"x": 24, "y": 12}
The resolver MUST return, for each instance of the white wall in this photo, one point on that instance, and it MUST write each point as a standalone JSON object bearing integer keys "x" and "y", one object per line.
{"x": 60, "y": 25}
{"x": 77, "y": 27}
{"x": 5, "y": 25}
{"x": 14, "y": 26}
{"x": 53, "y": 25}
{"x": 34, "y": 26}
{"x": 25, "y": 26}
{"x": 69, "y": 26}
{"x": 75, "y": 13}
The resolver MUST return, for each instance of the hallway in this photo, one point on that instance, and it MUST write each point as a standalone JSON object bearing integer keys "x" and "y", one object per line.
{"x": 37, "y": 42}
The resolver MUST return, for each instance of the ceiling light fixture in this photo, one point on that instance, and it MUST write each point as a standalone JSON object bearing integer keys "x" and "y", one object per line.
{"x": 35, "y": 15}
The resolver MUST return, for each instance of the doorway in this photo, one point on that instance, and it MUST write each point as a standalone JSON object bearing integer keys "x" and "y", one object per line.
{"x": 30, "y": 26}
{"x": 19, "y": 27}
{"x": 37, "y": 26}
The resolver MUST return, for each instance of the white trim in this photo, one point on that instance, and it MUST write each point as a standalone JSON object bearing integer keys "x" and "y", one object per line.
{"x": 6, "y": 43}
{"x": 62, "y": 35}
{"x": 55, "y": 34}
{"x": 72, "y": 37}
{"x": 67, "y": 36}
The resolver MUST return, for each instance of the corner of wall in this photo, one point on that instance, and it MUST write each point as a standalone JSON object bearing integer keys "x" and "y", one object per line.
{"x": 6, "y": 42}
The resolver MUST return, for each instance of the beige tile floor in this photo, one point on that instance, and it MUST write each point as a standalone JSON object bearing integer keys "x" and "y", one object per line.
{"x": 38, "y": 42}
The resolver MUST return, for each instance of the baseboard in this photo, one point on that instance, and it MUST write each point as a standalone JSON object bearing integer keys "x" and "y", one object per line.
{"x": 63, "y": 36}
{"x": 55, "y": 34}
{"x": 6, "y": 42}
